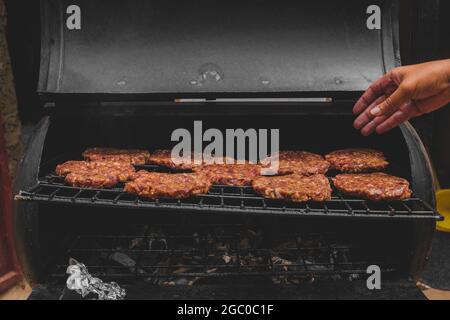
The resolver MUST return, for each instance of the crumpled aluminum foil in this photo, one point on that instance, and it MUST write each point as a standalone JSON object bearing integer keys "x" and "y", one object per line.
{"x": 83, "y": 283}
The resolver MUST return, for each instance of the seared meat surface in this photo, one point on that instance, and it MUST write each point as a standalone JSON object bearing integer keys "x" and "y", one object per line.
{"x": 300, "y": 176}
{"x": 133, "y": 156}
{"x": 95, "y": 174}
{"x": 357, "y": 160}
{"x": 156, "y": 185}
{"x": 230, "y": 174}
{"x": 299, "y": 162}
{"x": 296, "y": 188}
{"x": 91, "y": 179}
{"x": 70, "y": 166}
{"x": 373, "y": 186}
{"x": 164, "y": 158}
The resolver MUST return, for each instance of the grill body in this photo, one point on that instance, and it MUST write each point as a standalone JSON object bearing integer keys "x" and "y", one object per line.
{"x": 55, "y": 222}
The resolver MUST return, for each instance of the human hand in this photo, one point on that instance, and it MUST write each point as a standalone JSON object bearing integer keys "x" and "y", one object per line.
{"x": 402, "y": 94}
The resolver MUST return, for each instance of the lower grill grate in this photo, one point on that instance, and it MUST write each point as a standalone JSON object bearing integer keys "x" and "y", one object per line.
{"x": 228, "y": 199}
{"x": 171, "y": 255}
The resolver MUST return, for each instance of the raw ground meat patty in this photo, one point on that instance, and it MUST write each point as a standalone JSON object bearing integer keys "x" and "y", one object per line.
{"x": 230, "y": 174}
{"x": 164, "y": 158}
{"x": 373, "y": 186}
{"x": 133, "y": 156}
{"x": 296, "y": 188}
{"x": 156, "y": 185}
{"x": 357, "y": 160}
{"x": 299, "y": 162}
{"x": 95, "y": 174}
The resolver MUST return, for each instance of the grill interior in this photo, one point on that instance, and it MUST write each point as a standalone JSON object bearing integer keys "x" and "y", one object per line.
{"x": 166, "y": 254}
{"x": 229, "y": 199}
{"x": 339, "y": 238}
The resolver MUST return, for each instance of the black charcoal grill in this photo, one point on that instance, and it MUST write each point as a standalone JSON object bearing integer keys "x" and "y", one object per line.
{"x": 136, "y": 71}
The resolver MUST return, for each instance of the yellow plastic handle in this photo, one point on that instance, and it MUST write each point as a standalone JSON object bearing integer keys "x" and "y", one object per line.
{"x": 443, "y": 207}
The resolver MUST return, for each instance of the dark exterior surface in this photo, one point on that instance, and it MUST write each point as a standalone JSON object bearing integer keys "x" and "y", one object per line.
{"x": 24, "y": 39}
{"x": 395, "y": 290}
{"x": 172, "y": 49}
{"x": 26, "y": 230}
{"x": 422, "y": 184}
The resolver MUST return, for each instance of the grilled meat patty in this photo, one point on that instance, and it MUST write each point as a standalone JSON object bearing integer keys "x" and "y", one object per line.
{"x": 357, "y": 160}
{"x": 156, "y": 185}
{"x": 69, "y": 166}
{"x": 299, "y": 162}
{"x": 91, "y": 179}
{"x": 164, "y": 158}
{"x": 373, "y": 186}
{"x": 296, "y": 188}
{"x": 230, "y": 174}
{"x": 133, "y": 156}
{"x": 95, "y": 174}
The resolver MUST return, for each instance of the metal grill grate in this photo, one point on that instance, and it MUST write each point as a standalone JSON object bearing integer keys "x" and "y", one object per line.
{"x": 173, "y": 255}
{"x": 228, "y": 199}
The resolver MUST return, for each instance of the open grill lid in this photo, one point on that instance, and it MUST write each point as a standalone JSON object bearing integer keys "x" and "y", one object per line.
{"x": 168, "y": 49}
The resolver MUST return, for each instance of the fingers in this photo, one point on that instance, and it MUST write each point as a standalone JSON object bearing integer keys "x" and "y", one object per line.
{"x": 387, "y": 122}
{"x": 400, "y": 96}
{"x": 370, "y": 128}
{"x": 383, "y": 108}
{"x": 383, "y": 86}
{"x": 393, "y": 121}
{"x": 383, "y": 124}
{"x": 366, "y": 117}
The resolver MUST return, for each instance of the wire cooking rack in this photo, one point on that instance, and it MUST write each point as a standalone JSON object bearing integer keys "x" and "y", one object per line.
{"x": 227, "y": 199}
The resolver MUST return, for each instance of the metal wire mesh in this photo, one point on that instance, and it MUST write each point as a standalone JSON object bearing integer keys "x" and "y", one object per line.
{"x": 228, "y": 199}
{"x": 170, "y": 254}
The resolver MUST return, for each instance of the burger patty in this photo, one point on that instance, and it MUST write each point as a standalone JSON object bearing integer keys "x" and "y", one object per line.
{"x": 299, "y": 162}
{"x": 164, "y": 158}
{"x": 156, "y": 185}
{"x": 96, "y": 173}
{"x": 296, "y": 188}
{"x": 70, "y": 166}
{"x": 357, "y": 160}
{"x": 230, "y": 174}
{"x": 91, "y": 180}
{"x": 373, "y": 186}
{"x": 133, "y": 156}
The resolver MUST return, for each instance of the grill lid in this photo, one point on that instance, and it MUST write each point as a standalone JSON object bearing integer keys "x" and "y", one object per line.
{"x": 168, "y": 49}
